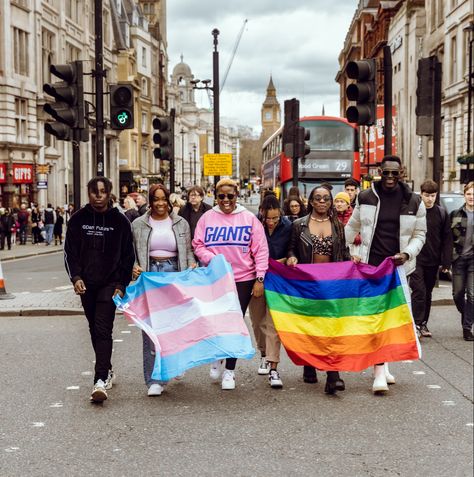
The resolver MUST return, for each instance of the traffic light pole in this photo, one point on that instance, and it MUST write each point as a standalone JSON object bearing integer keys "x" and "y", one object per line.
{"x": 172, "y": 163}
{"x": 215, "y": 88}
{"x": 437, "y": 124}
{"x": 76, "y": 167}
{"x": 99, "y": 74}
{"x": 387, "y": 100}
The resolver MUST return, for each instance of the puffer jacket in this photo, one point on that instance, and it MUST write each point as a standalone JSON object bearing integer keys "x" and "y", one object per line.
{"x": 142, "y": 230}
{"x": 301, "y": 245}
{"x": 364, "y": 220}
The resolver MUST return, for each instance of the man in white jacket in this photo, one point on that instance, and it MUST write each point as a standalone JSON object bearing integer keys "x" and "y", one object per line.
{"x": 391, "y": 221}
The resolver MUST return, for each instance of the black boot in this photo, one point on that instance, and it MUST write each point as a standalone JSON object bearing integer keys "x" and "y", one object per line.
{"x": 334, "y": 383}
{"x": 309, "y": 374}
{"x": 467, "y": 335}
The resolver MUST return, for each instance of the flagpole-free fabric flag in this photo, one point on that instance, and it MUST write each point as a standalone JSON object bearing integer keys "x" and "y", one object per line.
{"x": 193, "y": 317}
{"x": 342, "y": 316}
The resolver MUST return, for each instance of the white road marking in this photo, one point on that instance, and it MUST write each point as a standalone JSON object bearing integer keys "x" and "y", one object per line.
{"x": 46, "y": 291}
{"x": 24, "y": 293}
{"x": 116, "y": 450}
{"x": 29, "y": 278}
{"x": 118, "y": 341}
{"x": 12, "y": 449}
{"x": 56, "y": 404}
{"x": 72, "y": 388}
{"x": 449, "y": 403}
{"x": 407, "y": 361}
{"x": 470, "y": 424}
{"x": 125, "y": 332}
{"x": 131, "y": 324}
{"x": 54, "y": 278}
{"x": 64, "y": 287}
{"x": 38, "y": 424}
{"x": 433, "y": 386}
{"x": 419, "y": 372}
{"x": 86, "y": 373}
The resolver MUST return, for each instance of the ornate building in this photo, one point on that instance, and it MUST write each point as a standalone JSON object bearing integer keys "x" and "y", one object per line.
{"x": 271, "y": 113}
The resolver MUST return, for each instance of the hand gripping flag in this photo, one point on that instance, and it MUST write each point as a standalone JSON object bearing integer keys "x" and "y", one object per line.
{"x": 193, "y": 317}
{"x": 342, "y": 316}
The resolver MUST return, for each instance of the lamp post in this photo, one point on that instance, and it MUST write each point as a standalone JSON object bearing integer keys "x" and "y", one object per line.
{"x": 470, "y": 29}
{"x": 182, "y": 132}
{"x": 215, "y": 85}
{"x": 194, "y": 164}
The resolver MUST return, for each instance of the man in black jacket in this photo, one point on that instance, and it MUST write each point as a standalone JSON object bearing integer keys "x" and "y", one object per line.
{"x": 435, "y": 253}
{"x": 99, "y": 258}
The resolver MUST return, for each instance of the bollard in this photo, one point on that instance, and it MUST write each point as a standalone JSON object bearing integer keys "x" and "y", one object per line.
{"x": 3, "y": 292}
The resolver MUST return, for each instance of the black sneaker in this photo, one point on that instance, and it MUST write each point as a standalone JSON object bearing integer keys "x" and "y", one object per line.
{"x": 467, "y": 335}
{"x": 424, "y": 331}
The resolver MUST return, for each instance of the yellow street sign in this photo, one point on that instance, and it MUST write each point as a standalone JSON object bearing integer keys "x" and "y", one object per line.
{"x": 217, "y": 164}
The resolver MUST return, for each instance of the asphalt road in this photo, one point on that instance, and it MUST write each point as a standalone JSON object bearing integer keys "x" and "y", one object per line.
{"x": 423, "y": 427}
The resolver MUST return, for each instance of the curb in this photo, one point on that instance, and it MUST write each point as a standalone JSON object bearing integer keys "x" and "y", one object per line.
{"x": 33, "y": 254}
{"x": 46, "y": 312}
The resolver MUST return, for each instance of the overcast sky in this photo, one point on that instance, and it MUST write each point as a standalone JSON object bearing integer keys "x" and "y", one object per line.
{"x": 295, "y": 41}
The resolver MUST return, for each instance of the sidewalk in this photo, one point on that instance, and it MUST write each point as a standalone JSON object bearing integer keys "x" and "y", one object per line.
{"x": 65, "y": 302}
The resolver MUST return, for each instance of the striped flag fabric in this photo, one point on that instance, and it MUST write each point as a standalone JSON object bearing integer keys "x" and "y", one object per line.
{"x": 193, "y": 317}
{"x": 342, "y": 316}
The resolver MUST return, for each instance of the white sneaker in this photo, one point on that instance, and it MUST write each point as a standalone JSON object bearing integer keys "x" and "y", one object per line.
{"x": 380, "y": 385}
{"x": 274, "y": 379}
{"x": 264, "y": 367}
{"x": 228, "y": 379}
{"x": 109, "y": 382}
{"x": 155, "y": 389}
{"x": 390, "y": 377}
{"x": 216, "y": 370}
{"x": 99, "y": 394}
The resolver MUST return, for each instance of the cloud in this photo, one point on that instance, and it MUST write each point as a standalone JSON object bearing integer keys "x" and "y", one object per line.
{"x": 296, "y": 42}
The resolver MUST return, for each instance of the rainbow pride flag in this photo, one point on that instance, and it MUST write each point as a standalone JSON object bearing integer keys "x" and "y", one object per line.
{"x": 342, "y": 316}
{"x": 193, "y": 317}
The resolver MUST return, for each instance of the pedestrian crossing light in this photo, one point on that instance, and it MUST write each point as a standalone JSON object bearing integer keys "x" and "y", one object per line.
{"x": 302, "y": 148}
{"x": 163, "y": 138}
{"x": 121, "y": 106}
{"x": 363, "y": 91}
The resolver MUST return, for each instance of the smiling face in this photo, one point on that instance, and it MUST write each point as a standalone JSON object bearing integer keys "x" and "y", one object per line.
{"x": 159, "y": 205}
{"x": 99, "y": 197}
{"x": 390, "y": 172}
{"x": 341, "y": 205}
{"x": 226, "y": 198}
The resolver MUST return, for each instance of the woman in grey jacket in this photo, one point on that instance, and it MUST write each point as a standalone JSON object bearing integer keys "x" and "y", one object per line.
{"x": 162, "y": 242}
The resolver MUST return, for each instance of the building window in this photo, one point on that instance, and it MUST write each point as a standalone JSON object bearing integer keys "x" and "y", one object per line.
{"x": 454, "y": 63}
{"x": 72, "y": 53}
{"x": 20, "y": 52}
{"x": 144, "y": 87}
{"x": 21, "y": 119}
{"x": 454, "y": 133}
{"x": 47, "y": 39}
{"x": 433, "y": 15}
{"x": 73, "y": 9}
{"x": 143, "y": 57}
{"x": 144, "y": 123}
{"x": 440, "y": 12}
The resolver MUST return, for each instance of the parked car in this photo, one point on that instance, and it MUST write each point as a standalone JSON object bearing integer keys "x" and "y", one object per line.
{"x": 451, "y": 200}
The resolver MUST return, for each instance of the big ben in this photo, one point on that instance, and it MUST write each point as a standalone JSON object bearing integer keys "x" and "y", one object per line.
{"x": 271, "y": 115}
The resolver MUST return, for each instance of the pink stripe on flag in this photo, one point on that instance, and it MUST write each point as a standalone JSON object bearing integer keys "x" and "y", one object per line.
{"x": 159, "y": 299}
{"x": 201, "y": 329}
{"x": 327, "y": 271}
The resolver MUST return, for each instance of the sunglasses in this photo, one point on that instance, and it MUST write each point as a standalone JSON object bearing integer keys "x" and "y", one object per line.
{"x": 319, "y": 198}
{"x": 223, "y": 196}
{"x": 388, "y": 172}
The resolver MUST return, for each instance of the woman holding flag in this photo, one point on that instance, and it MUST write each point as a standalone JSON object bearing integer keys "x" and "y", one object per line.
{"x": 319, "y": 238}
{"x": 162, "y": 242}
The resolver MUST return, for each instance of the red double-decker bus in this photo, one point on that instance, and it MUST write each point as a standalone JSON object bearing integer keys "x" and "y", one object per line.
{"x": 334, "y": 157}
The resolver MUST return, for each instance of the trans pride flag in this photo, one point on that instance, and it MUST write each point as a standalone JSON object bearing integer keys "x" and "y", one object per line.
{"x": 342, "y": 316}
{"x": 193, "y": 317}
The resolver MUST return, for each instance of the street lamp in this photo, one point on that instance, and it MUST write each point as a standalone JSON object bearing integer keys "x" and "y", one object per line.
{"x": 182, "y": 132}
{"x": 194, "y": 164}
{"x": 470, "y": 29}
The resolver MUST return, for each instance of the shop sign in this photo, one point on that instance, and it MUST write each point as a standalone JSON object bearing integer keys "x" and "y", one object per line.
{"x": 22, "y": 173}
{"x": 42, "y": 185}
{"x": 3, "y": 173}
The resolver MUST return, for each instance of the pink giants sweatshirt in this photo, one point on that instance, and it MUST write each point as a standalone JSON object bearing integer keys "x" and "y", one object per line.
{"x": 238, "y": 236}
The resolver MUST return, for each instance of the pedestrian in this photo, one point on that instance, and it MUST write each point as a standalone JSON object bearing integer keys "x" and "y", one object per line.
{"x": 319, "y": 238}
{"x": 69, "y": 211}
{"x": 162, "y": 242}
{"x": 278, "y": 233}
{"x": 6, "y": 223}
{"x": 351, "y": 186}
{"x": 294, "y": 208}
{"x": 342, "y": 204}
{"x": 23, "y": 217}
{"x": 142, "y": 203}
{"x": 35, "y": 225}
{"x": 233, "y": 231}
{"x": 131, "y": 210}
{"x": 435, "y": 253}
{"x": 462, "y": 223}
{"x": 49, "y": 219}
{"x": 99, "y": 257}
{"x": 14, "y": 229}
{"x": 391, "y": 220}
{"x": 176, "y": 202}
{"x": 58, "y": 227}
{"x": 195, "y": 207}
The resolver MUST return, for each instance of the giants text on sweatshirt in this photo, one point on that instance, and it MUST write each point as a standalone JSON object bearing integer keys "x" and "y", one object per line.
{"x": 238, "y": 236}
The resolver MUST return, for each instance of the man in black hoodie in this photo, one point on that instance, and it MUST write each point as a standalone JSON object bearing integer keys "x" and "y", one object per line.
{"x": 99, "y": 257}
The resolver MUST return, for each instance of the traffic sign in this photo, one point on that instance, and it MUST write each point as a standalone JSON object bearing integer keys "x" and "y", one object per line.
{"x": 217, "y": 164}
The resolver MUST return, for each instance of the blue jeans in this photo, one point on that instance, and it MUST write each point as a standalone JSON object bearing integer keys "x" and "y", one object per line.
{"x": 463, "y": 290}
{"x": 170, "y": 265}
{"x": 49, "y": 233}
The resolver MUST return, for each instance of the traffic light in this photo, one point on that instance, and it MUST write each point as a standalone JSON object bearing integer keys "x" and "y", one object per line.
{"x": 363, "y": 91}
{"x": 68, "y": 109}
{"x": 292, "y": 116}
{"x": 425, "y": 96}
{"x": 302, "y": 148}
{"x": 164, "y": 138}
{"x": 121, "y": 106}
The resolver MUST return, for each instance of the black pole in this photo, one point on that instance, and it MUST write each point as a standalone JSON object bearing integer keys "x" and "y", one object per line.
{"x": 215, "y": 90}
{"x": 194, "y": 164}
{"x": 437, "y": 124}
{"x": 469, "y": 94}
{"x": 182, "y": 157}
{"x": 99, "y": 74}
{"x": 76, "y": 167}
{"x": 172, "y": 159}
{"x": 387, "y": 100}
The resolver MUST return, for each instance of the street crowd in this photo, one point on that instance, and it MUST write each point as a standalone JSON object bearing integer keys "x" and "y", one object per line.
{"x": 107, "y": 247}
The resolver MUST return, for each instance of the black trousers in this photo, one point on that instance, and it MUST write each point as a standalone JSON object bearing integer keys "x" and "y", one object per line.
{"x": 4, "y": 236}
{"x": 244, "y": 291}
{"x": 422, "y": 282}
{"x": 100, "y": 313}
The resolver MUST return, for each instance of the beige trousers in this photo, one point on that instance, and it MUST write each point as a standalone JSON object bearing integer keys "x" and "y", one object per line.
{"x": 264, "y": 331}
